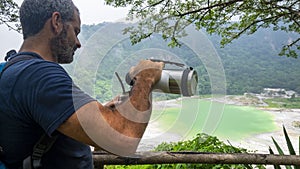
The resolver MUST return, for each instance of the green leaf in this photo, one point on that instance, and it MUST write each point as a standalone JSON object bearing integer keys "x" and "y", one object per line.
{"x": 272, "y": 152}
{"x": 277, "y": 147}
{"x": 290, "y": 147}
{"x": 288, "y": 142}
{"x": 297, "y": 166}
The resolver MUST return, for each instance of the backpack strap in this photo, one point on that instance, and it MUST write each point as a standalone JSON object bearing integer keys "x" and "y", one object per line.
{"x": 9, "y": 54}
{"x": 12, "y": 57}
{"x": 44, "y": 144}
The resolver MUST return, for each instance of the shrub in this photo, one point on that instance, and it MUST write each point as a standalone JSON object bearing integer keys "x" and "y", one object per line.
{"x": 203, "y": 143}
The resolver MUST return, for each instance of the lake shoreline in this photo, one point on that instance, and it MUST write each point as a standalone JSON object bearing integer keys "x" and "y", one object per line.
{"x": 257, "y": 143}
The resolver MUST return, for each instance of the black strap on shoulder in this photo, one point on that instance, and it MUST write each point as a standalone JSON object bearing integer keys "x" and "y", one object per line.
{"x": 9, "y": 54}
{"x": 41, "y": 147}
{"x": 12, "y": 57}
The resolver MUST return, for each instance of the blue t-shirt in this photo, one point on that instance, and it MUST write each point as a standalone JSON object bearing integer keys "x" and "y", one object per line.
{"x": 37, "y": 96}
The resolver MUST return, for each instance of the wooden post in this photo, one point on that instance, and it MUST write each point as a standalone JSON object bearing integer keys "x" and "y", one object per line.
{"x": 98, "y": 166}
{"x": 195, "y": 157}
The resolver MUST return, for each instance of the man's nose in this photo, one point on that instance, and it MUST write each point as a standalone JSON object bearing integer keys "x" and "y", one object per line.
{"x": 78, "y": 44}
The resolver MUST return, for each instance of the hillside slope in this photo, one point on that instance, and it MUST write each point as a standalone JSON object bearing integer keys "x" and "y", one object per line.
{"x": 250, "y": 63}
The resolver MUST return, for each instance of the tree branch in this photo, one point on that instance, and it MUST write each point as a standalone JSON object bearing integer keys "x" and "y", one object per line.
{"x": 153, "y": 5}
{"x": 8, "y": 25}
{"x": 209, "y": 7}
{"x": 255, "y": 22}
{"x": 160, "y": 21}
{"x": 293, "y": 43}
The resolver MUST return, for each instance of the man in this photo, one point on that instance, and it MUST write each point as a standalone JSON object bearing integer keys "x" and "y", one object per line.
{"x": 37, "y": 96}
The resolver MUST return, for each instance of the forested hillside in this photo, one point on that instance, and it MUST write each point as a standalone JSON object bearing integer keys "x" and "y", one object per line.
{"x": 250, "y": 63}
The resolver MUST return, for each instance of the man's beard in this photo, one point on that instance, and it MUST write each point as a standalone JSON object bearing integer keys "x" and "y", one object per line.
{"x": 62, "y": 49}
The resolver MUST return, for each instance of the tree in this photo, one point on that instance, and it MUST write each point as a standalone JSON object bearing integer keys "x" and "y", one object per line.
{"x": 228, "y": 18}
{"x": 9, "y": 14}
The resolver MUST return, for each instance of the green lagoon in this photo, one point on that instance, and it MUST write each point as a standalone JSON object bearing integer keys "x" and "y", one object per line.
{"x": 190, "y": 116}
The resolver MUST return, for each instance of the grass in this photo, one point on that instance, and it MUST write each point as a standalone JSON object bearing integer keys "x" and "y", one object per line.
{"x": 288, "y": 103}
{"x": 224, "y": 121}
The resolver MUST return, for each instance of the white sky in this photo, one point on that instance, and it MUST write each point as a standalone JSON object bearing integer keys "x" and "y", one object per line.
{"x": 91, "y": 12}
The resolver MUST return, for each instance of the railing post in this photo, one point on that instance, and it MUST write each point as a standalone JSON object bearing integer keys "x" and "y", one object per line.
{"x": 98, "y": 166}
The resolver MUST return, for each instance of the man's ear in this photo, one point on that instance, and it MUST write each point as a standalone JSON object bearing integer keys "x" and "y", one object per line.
{"x": 56, "y": 23}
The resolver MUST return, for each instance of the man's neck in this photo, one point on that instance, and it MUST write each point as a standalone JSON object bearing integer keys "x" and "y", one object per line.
{"x": 39, "y": 46}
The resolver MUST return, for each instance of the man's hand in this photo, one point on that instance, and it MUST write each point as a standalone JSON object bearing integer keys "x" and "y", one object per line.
{"x": 147, "y": 70}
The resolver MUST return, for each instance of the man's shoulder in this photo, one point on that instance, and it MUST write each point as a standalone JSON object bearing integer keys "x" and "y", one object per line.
{"x": 38, "y": 66}
{"x": 34, "y": 73}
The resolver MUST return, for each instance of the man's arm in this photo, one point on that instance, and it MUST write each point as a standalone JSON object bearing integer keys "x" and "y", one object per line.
{"x": 119, "y": 125}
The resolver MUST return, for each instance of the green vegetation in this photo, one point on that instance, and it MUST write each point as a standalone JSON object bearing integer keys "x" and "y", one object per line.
{"x": 287, "y": 103}
{"x": 171, "y": 18}
{"x": 296, "y": 124}
{"x": 250, "y": 64}
{"x": 201, "y": 143}
{"x": 280, "y": 151}
{"x": 9, "y": 14}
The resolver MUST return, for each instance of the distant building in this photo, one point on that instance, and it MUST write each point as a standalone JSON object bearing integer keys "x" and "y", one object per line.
{"x": 291, "y": 93}
{"x": 278, "y": 92}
